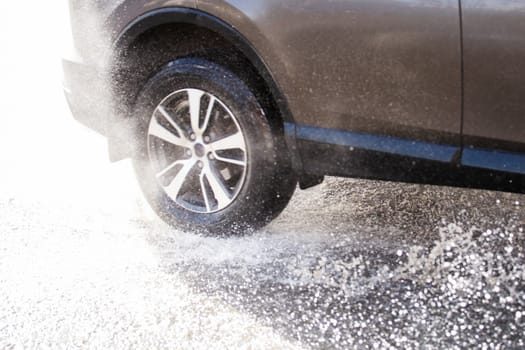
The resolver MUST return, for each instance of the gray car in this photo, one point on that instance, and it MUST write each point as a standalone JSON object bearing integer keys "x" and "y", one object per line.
{"x": 224, "y": 106}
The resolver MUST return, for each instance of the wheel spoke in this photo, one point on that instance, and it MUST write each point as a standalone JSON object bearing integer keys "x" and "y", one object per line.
{"x": 230, "y": 160}
{"x": 208, "y": 115}
{"x": 172, "y": 122}
{"x": 205, "y": 192}
{"x": 159, "y": 131}
{"x": 220, "y": 192}
{"x": 174, "y": 187}
{"x": 235, "y": 141}
{"x": 194, "y": 99}
{"x": 166, "y": 170}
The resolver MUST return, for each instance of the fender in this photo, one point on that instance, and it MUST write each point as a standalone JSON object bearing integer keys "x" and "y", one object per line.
{"x": 199, "y": 18}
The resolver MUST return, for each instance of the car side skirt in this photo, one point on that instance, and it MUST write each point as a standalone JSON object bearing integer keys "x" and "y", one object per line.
{"x": 351, "y": 154}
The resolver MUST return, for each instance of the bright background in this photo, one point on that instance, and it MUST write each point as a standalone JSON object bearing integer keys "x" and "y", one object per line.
{"x": 45, "y": 154}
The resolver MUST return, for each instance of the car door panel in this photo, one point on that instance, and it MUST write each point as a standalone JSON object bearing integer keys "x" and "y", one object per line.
{"x": 384, "y": 67}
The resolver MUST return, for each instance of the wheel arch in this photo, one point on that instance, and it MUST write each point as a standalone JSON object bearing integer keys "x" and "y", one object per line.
{"x": 151, "y": 20}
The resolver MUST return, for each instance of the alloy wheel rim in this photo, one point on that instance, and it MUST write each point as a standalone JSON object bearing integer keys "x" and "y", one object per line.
{"x": 197, "y": 151}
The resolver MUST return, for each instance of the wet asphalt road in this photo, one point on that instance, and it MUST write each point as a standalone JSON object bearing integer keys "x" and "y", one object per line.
{"x": 350, "y": 264}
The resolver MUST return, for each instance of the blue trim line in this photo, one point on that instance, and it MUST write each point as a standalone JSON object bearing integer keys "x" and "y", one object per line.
{"x": 385, "y": 144}
{"x": 495, "y": 160}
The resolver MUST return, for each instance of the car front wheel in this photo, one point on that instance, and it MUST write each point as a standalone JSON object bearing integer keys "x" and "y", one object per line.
{"x": 207, "y": 159}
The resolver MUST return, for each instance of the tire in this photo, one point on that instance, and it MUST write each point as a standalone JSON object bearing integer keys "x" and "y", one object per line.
{"x": 207, "y": 159}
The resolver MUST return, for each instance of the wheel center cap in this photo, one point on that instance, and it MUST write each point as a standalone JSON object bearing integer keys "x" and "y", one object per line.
{"x": 199, "y": 150}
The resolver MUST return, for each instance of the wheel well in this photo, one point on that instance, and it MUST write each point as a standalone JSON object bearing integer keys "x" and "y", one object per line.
{"x": 158, "y": 46}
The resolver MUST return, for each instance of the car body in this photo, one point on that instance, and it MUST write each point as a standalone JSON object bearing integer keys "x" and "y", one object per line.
{"x": 418, "y": 90}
